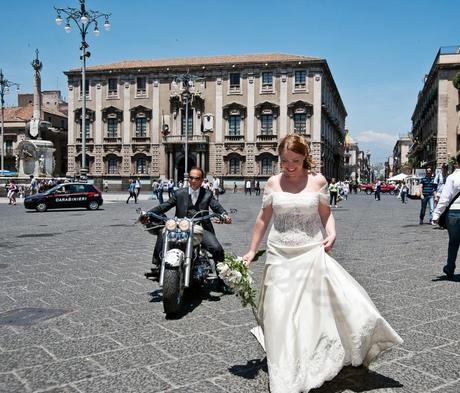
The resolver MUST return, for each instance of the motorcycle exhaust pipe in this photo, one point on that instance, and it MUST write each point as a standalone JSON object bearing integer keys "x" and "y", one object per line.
{"x": 188, "y": 259}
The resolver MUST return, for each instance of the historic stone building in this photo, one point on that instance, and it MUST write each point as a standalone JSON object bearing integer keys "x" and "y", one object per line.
{"x": 356, "y": 162}
{"x": 239, "y": 107}
{"x": 17, "y": 118}
{"x": 400, "y": 156}
{"x": 436, "y": 118}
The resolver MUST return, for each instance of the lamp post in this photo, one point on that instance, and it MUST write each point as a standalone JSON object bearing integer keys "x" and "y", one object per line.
{"x": 83, "y": 18}
{"x": 185, "y": 87}
{"x": 5, "y": 85}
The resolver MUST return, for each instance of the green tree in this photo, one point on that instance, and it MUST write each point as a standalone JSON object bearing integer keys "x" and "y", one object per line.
{"x": 456, "y": 81}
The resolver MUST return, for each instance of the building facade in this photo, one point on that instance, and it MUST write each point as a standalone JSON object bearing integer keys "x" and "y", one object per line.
{"x": 238, "y": 109}
{"x": 16, "y": 121}
{"x": 436, "y": 118}
{"x": 400, "y": 158}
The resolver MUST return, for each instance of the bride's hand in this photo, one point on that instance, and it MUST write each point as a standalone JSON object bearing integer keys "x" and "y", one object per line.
{"x": 248, "y": 257}
{"x": 328, "y": 242}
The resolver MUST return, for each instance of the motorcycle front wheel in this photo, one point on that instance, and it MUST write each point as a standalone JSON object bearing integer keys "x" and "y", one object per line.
{"x": 172, "y": 294}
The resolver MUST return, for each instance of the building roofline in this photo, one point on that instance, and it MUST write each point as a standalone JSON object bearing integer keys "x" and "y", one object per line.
{"x": 194, "y": 62}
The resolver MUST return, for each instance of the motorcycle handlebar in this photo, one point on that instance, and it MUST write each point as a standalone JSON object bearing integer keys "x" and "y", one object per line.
{"x": 194, "y": 218}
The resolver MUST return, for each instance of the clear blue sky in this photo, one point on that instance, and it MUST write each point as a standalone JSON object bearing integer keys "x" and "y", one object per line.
{"x": 378, "y": 51}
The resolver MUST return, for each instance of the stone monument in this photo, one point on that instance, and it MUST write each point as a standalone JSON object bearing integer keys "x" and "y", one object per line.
{"x": 35, "y": 155}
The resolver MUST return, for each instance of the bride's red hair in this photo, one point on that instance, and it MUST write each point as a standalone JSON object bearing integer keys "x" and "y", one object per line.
{"x": 297, "y": 144}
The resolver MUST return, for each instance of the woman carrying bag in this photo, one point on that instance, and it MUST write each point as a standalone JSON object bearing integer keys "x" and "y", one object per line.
{"x": 450, "y": 199}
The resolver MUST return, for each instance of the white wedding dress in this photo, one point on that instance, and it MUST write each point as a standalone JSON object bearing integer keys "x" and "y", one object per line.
{"x": 314, "y": 318}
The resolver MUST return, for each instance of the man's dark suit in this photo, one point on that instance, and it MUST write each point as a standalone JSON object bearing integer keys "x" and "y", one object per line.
{"x": 182, "y": 201}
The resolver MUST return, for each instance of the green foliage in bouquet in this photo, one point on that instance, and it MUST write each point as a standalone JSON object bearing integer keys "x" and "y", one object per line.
{"x": 237, "y": 276}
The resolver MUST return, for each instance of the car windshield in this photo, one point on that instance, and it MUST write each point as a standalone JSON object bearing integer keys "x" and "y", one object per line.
{"x": 53, "y": 190}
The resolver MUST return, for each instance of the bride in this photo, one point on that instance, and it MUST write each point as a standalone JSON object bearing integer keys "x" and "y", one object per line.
{"x": 314, "y": 318}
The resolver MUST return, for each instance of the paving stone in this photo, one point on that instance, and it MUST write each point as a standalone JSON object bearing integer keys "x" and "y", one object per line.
{"x": 186, "y": 327}
{"x": 62, "y": 389}
{"x": 140, "y": 380}
{"x": 403, "y": 379}
{"x": 416, "y": 341}
{"x": 141, "y": 335}
{"x": 440, "y": 363}
{"x": 29, "y": 338}
{"x": 200, "y": 387}
{"x": 190, "y": 369}
{"x": 59, "y": 373}
{"x": 123, "y": 359}
{"x": 82, "y": 347}
{"x": 441, "y": 328}
{"x": 9, "y": 383}
{"x": 423, "y": 313}
{"x": 23, "y": 358}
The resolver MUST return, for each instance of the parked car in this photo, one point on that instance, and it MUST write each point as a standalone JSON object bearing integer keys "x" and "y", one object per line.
{"x": 67, "y": 195}
{"x": 369, "y": 188}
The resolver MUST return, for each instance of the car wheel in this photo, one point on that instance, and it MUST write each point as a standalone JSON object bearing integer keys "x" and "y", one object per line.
{"x": 392, "y": 192}
{"x": 41, "y": 207}
{"x": 93, "y": 205}
{"x": 368, "y": 191}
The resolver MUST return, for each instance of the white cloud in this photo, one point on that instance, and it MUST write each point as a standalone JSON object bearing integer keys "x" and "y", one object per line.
{"x": 380, "y": 138}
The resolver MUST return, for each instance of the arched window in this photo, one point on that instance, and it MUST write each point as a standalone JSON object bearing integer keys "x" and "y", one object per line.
{"x": 141, "y": 126}
{"x": 141, "y": 165}
{"x": 266, "y": 166}
{"x": 234, "y": 122}
{"x": 234, "y": 166}
{"x": 112, "y": 166}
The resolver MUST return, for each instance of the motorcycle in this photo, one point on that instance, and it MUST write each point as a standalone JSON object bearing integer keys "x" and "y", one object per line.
{"x": 185, "y": 262}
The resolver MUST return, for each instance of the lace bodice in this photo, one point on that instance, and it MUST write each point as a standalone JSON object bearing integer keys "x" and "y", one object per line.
{"x": 296, "y": 219}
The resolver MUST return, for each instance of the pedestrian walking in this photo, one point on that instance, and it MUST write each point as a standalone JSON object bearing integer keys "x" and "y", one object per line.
{"x": 132, "y": 191}
{"x": 33, "y": 185}
{"x": 235, "y": 188}
{"x": 257, "y": 187}
{"x": 440, "y": 180}
{"x": 427, "y": 189}
{"x": 137, "y": 186}
{"x": 170, "y": 188}
{"x": 333, "y": 193}
{"x": 216, "y": 187}
{"x": 346, "y": 190}
{"x": 378, "y": 190}
{"x": 106, "y": 186}
{"x": 160, "y": 190}
{"x": 403, "y": 193}
{"x": 12, "y": 192}
{"x": 247, "y": 187}
{"x": 451, "y": 196}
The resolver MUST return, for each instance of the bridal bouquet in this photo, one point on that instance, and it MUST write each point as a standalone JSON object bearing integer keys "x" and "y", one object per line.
{"x": 238, "y": 277}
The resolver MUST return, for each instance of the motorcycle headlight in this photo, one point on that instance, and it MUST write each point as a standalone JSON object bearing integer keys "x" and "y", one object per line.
{"x": 184, "y": 225}
{"x": 171, "y": 225}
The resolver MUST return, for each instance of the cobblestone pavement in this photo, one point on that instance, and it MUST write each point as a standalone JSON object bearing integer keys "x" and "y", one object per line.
{"x": 98, "y": 325}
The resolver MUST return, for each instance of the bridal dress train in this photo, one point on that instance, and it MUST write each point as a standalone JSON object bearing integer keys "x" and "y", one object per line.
{"x": 314, "y": 318}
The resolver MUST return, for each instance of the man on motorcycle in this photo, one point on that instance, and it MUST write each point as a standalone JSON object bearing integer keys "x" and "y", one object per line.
{"x": 188, "y": 201}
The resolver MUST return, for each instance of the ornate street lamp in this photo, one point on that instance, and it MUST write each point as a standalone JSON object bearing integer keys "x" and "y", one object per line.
{"x": 5, "y": 85}
{"x": 184, "y": 85}
{"x": 83, "y": 18}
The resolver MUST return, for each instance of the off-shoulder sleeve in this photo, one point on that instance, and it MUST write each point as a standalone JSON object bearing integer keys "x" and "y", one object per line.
{"x": 267, "y": 197}
{"x": 324, "y": 195}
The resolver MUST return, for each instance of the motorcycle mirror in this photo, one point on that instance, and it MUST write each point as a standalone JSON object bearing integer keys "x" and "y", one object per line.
{"x": 138, "y": 210}
{"x": 233, "y": 211}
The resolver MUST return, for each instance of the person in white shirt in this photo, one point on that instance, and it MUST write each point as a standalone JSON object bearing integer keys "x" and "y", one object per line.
{"x": 247, "y": 187}
{"x": 215, "y": 187}
{"x": 440, "y": 180}
{"x": 451, "y": 192}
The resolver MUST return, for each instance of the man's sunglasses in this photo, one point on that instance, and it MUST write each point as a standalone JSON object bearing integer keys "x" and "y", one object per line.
{"x": 194, "y": 178}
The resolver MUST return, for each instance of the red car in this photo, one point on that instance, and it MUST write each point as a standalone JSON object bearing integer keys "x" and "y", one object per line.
{"x": 369, "y": 188}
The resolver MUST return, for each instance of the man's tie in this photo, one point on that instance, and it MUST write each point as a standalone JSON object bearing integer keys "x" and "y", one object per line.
{"x": 195, "y": 196}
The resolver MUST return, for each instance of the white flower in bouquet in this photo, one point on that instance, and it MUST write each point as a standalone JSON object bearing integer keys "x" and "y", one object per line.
{"x": 234, "y": 272}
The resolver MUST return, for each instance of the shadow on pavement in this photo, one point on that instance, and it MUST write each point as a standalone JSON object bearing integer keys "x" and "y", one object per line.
{"x": 354, "y": 379}
{"x": 455, "y": 278}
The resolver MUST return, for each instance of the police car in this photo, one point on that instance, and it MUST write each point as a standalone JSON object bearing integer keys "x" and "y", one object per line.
{"x": 67, "y": 195}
